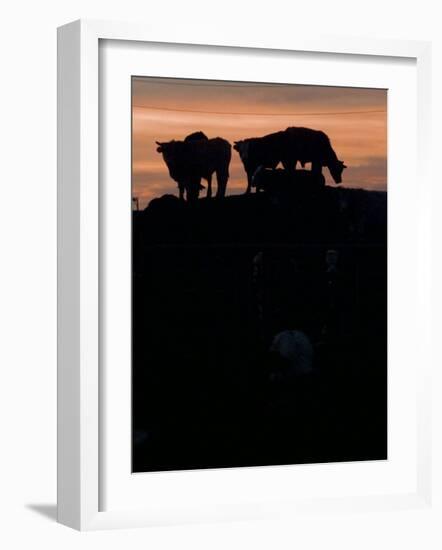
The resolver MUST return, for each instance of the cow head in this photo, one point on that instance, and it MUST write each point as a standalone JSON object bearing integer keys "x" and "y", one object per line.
{"x": 336, "y": 168}
{"x": 169, "y": 149}
{"x": 171, "y": 155}
{"x": 242, "y": 147}
{"x": 166, "y": 147}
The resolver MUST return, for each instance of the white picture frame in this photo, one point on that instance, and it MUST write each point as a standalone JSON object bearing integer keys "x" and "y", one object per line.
{"x": 79, "y": 274}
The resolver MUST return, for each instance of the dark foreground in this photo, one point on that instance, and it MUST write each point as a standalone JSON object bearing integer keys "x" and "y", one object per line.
{"x": 213, "y": 283}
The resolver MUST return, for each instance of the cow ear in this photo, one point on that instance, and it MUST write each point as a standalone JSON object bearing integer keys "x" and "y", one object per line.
{"x": 344, "y": 166}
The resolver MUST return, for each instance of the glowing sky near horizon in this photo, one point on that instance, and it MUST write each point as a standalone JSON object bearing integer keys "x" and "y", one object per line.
{"x": 355, "y": 119}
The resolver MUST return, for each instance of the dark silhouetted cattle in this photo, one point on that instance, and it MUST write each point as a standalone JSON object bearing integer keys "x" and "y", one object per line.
{"x": 194, "y": 158}
{"x": 255, "y": 152}
{"x": 307, "y": 145}
{"x": 288, "y": 147}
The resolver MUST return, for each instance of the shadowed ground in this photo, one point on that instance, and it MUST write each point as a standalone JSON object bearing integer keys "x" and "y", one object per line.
{"x": 213, "y": 283}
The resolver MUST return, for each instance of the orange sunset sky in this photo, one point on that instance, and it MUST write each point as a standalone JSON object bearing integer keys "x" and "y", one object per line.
{"x": 355, "y": 120}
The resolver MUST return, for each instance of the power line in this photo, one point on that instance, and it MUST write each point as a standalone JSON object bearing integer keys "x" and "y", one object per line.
{"x": 238, "y": 113}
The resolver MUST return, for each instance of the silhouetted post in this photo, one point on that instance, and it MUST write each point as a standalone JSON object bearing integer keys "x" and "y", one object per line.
{"x": 136, "y": 203}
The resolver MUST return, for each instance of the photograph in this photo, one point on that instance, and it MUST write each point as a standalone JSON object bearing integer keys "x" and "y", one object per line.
{"x": 259, "y": 274}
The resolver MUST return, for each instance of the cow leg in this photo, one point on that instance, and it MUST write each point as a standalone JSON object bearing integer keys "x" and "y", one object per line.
{"x": 209, "y": 186}
{"x": 192, "y": 191}
{"x": 196, "y": 186}
{"x": 288, "y": 165}
{"x": 181, "y": 188}
{"x": 249, "y": 182}
{"x": 221, "y": 180}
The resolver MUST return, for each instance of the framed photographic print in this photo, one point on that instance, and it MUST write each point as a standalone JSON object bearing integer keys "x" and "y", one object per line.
{"x": 259, "y": 309}
{"x": 235, "y": 250}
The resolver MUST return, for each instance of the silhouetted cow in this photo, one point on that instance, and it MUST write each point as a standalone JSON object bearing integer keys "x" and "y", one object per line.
{"x": 255, "y": 152}
{"x": 307, "y": 145}
{"x": 194, "y": 158}
{"x": 288, "y": 147}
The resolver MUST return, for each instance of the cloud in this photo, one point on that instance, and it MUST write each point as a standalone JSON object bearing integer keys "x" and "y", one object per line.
{"x": 216, "y": 95}
{"x": 372, "y": 174}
